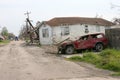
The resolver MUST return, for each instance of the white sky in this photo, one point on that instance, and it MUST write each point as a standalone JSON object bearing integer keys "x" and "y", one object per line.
{"x": 12, "y": 11}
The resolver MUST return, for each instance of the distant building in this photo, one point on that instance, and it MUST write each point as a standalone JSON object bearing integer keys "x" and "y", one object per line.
{"x": 58, "y": 29}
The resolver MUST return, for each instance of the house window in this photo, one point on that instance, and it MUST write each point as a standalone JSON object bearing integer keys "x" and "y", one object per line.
{"x": 98, "y": 28}
{"x": 65, "y": 31}
{"x": 86, "y": 29}
{"x": 44, "y": 25}
{"x": 45, "y": 33}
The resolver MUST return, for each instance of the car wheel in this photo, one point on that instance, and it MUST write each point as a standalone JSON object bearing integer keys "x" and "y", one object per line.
{"x": 61, "y": 51}
{"x": 69, "y": 50}
{"x": 99, "y": 47}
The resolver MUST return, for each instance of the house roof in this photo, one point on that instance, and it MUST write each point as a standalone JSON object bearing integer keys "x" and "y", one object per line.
{"x": 78, "y": 20}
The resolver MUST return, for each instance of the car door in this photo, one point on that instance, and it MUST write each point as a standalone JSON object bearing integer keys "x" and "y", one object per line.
{"x": 84, "y": 42}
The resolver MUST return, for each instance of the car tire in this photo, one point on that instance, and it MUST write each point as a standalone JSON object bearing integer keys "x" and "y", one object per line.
{"x": 69, "y": 50}
{"x": 99, "y": 47}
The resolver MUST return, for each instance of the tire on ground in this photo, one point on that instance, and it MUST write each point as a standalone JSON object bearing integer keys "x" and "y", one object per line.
{"x": 69, "y": 50}
{"x": 99, "y": 47}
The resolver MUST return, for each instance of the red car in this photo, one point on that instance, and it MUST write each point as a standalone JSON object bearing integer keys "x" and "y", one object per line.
{"x": 91, "y": 41}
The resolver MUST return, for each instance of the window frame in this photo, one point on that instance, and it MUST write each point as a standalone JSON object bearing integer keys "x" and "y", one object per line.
{"x": 45, "y": 33}
{"x": 86, "y": 29}
{"x": 65, "y": 30}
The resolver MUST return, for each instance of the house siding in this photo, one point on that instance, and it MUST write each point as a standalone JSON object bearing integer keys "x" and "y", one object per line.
{"x": 45, "y": 40}
{"x": 75, "y": 31}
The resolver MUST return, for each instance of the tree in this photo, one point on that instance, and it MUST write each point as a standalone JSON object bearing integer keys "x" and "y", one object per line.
{"x": 4, "y": 32}
{"x": 11, "y": 36}
{"x": 23, "y": 32}
{"x": 116, "y": 21}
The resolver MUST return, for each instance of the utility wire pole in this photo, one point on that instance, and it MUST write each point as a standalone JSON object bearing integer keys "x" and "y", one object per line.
{"x": 27, "y": 26}
{"x": 27, "y": 13}
{"x": 28, "y": 21}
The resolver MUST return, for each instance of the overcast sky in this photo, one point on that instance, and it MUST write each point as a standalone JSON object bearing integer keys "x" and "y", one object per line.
{"x": 12, "y": 11}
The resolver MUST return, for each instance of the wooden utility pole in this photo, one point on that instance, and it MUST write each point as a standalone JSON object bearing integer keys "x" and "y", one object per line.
{"x": 28, "y": 29}
{"x": 27, "y": 13}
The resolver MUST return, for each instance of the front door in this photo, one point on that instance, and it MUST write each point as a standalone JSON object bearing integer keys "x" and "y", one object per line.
{"x": 84, "y": 42}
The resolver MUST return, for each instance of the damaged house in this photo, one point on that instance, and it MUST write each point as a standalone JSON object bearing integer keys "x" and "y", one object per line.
{"x": 59, "y": 29}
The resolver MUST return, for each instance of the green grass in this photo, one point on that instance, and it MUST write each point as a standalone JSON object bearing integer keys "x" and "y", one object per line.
{"x": 75, "y": 58}
{"x": 116, "y": 74}
{"x": 107, "y": 59}
{"x": 4, "y": 42}
{"x": 110, "y": 59}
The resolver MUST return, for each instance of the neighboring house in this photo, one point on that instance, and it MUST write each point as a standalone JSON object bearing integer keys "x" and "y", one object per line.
{"x": 115, "y": 26}
{"x": 58, "y": 29}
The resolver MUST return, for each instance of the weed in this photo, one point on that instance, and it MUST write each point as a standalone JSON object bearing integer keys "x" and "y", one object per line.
{"x": 75, "y": 58}
{"x": 107, "y": 59}
{"x": 4, "y": 42}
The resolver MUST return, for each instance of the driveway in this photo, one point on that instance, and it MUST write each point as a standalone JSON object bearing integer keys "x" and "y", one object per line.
{"x": 21, "y": 62}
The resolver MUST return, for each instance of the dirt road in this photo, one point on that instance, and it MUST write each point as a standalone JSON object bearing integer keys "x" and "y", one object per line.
{"x": 20, "y": 62}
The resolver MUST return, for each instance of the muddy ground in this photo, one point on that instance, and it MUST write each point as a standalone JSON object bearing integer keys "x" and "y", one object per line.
{"x": 21, "y": 62}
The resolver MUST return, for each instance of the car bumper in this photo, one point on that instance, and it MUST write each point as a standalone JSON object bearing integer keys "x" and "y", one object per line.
{"x": 60, "y": 49}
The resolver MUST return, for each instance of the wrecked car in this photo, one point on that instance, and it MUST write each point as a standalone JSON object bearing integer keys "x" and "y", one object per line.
{"x": 96, "y": 41}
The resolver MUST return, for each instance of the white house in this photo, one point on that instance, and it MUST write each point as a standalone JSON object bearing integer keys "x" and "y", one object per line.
{"x": 58, "y": 29}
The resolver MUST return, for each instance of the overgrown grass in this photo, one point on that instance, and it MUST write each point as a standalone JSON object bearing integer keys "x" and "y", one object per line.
{"x": 75, "y": 58}
{"x": 4, "y": 42}
{"x": 116, "y": 74}
{"x": 107, "y": 59}
{"x": 110, "y": 59}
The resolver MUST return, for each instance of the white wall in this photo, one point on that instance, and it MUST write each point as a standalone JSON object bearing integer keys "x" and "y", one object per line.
{"x": 48, "y": 40}
{"x": 57, "y": 30}
{"x": 75, "y": 31}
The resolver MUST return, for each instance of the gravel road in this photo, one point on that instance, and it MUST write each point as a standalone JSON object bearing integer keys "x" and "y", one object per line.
{"x": 21, "y": 62}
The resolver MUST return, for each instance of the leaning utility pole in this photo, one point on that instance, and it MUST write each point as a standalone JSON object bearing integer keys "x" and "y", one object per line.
{"x": 27, "y": 14}
{"x": 28, "y": 28}
{"x": 31, "y": 30}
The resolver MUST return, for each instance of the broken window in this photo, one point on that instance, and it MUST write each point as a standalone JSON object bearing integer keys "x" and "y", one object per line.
{"x": 86, "y": 29}
{"x": 84, "y": 37}
{"x": 45, "y": 33}
{"x": 97, "y": 36}
{"x": 65, "y": 31}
